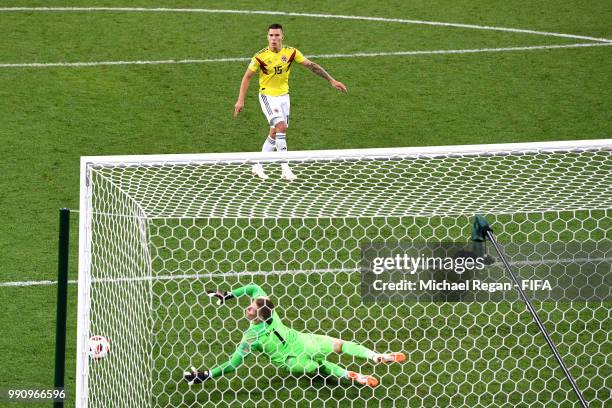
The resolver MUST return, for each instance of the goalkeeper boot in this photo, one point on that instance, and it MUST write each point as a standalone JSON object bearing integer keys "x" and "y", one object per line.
{"x": 366, "y": 380}
{"x": 196, "y": 377}
{"x": 288, "y": 174}
{"x": 389, "y": 358}
{"x": 259, "y": 172}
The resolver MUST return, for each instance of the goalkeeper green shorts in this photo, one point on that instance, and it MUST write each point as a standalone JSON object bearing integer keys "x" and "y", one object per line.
{"x": 314, "y": 349}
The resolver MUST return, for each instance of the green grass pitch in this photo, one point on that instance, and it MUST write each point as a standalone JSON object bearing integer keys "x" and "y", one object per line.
{"x": 50, "y": 116}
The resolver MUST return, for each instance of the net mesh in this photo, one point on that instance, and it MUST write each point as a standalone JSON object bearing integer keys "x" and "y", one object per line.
{"x": 162, "y": 233}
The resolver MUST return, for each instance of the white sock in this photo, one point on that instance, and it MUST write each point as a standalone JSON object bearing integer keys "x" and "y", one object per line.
{"x": 281, "y": 146}
{"x": 281, "y": 142}
{"x": 268, "y": 145}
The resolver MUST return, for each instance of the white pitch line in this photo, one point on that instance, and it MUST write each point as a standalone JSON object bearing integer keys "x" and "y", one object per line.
{"x": 292, "y": 272}
{"x": 320, "y": 56}
{"x": 182, "y": 276}
{"x": 30, "y": 283}
{"x": 312, "y": 15}
{"x": 462, "y": 51}
{"x": 102, "y": 63}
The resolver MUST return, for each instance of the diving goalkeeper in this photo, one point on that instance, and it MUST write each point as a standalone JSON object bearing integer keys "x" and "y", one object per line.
{"x": 297, "y": 352}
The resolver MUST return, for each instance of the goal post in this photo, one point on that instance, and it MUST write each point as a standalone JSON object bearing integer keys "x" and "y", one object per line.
{"x": 157, "y": 231}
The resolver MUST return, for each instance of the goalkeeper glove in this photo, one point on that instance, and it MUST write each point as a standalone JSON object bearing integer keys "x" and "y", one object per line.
{"x": 221, "y": 296}
{"x": 196, "y": 377}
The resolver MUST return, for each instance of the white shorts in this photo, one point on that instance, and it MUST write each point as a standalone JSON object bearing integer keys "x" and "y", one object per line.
{"x": 276, "y": 108}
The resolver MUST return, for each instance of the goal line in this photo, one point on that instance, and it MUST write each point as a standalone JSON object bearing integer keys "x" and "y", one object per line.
{"x": 278, "y": 272}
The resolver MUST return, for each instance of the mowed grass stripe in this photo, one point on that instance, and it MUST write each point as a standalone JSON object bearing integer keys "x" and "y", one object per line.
{"x": 90, "y": 37}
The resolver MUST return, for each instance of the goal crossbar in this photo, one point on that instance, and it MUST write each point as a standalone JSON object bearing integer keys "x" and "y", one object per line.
{"x": 380, "y": 153}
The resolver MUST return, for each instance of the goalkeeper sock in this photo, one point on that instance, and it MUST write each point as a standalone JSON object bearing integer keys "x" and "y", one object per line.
{"x": 328, "y": 368}
{"x": 268, "y": 145}
{"x": 357, "y": 350}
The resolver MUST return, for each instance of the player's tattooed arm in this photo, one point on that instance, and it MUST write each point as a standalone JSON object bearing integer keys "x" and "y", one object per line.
{"x": 319, "y": 70}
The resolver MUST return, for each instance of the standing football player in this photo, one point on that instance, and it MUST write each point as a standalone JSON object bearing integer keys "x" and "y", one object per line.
{"x": 274, "y": 66}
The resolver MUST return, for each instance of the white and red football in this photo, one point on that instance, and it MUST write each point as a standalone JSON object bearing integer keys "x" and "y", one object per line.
{"x": 99, "y": 347}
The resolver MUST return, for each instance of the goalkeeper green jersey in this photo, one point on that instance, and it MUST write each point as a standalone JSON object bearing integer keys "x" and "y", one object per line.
{"x": 271, "y": 337}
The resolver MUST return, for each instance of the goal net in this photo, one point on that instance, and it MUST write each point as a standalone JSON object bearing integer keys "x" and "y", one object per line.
{"x": 157, "y": 232}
